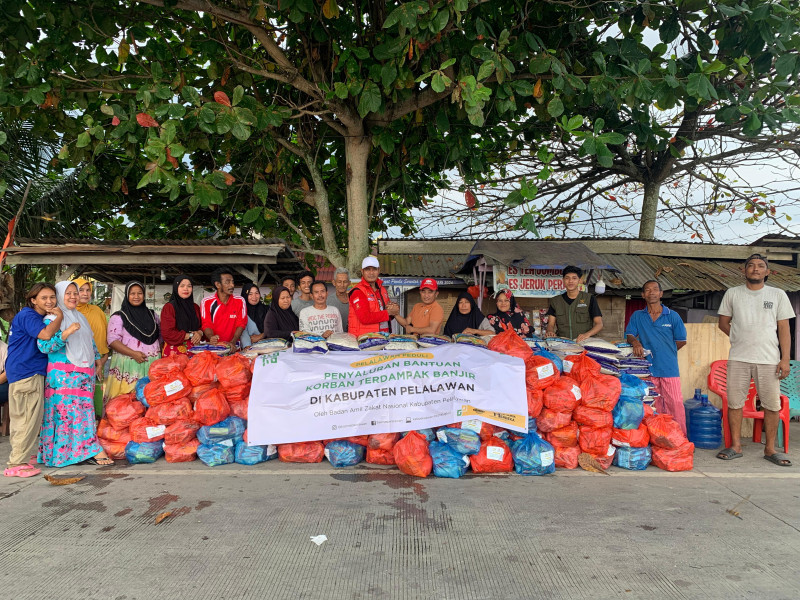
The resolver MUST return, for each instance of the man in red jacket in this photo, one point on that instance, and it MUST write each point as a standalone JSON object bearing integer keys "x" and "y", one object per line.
{"x": 370, "y": 307}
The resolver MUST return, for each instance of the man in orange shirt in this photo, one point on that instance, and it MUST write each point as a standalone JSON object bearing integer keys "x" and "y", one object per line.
{"x": 427, "y": 316}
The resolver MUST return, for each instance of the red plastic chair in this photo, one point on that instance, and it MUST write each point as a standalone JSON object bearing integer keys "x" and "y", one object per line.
{"x": 718, "y": 383}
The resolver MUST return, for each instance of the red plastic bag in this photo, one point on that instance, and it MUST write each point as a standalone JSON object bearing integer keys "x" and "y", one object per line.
{"x": 115, "y": 450}
{"x": 383, "y": 441}
{"x": 486, "y": 431}
{"x": 233, "y": 370}
{"x": 361, "y": 440}
{"x": 535, "y": 402}
{"x": 187, "y": 452}
{"x": 123, "y": 410}
{"x": 167, "y": 389}
{"x": 601, "y": 391}
{"x": 377, "y": 456}
{"x": 508, "y": 342}
{"x": 239, "y": 393}
{"x": 563, "y": 395}
{"x": 665, "y": 432}
{"x": 211, "y": 408}
{"x": 540, "y": 372}
{"x": 580, "y": 366}
{"x": 548, "y": 420}
{"x": 566, "y": 436}
{"x": 146, "y": 430}
{"x": 494, "y": 457}
{"x": 202, "y": 369}
{"x": 199, "y": 390}
{"x": 238, "y": 409}
{"x": 633, "y": 438}
{"x": 166, "y": 414}
{"x": 674, "y": 459}
{"x": 301, "y": 452}
{"x": 594, "y": 441}
{"x": 566, "y": 457}
{"x": 648, "y": 411}
{"x": 412, "y": 456}
{"x": 605, "y": 458}
{"x": 107, "y": 431}
{"x": 593, "y": 417}
{"x": 181, "y": 432}
{"x": 174, "y": 363}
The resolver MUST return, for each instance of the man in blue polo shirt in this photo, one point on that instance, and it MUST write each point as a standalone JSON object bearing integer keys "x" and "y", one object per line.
{"x": 661, "y": 331}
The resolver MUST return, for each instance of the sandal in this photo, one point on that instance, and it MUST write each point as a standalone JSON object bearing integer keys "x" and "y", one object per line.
{"x": 728, "y": 454}
{"x": 21, "y": 471}
{"x": 102, "y": 461}
{"x": 779, "y": 459}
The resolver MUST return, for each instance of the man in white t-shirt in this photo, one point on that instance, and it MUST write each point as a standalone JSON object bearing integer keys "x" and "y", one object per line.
{"x": 756, "y": 318}
{"x": 320, "y": 318}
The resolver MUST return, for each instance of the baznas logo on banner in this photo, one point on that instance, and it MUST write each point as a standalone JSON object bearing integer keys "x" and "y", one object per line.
{"x": 306, "y": 397}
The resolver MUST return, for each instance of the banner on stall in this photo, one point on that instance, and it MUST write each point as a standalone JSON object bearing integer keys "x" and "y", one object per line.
{"x": 305, "y": 397}
{"x": 529, "y": 283}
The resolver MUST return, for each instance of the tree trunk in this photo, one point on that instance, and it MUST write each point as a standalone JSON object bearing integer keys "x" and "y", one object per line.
{"x": 647, "y": 226}
{"x": 357, "y": 150}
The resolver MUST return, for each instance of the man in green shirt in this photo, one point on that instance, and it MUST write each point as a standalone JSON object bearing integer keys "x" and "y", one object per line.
{"x": 574, "y": 314}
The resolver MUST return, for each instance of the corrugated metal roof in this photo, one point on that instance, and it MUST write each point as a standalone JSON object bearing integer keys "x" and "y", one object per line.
{"x": 634, "y": 272}
{"x": 731, "y": 273}
{"x": 163, "y": 242}
{"x": 684, "y": 274}
{"x": 419, "y": 265}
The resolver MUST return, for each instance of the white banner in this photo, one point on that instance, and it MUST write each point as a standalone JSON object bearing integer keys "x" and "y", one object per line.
{"x": 306, "y": 397}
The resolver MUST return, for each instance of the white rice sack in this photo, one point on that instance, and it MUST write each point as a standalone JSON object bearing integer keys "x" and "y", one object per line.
{"x": 343, "y": 342}
{"x": 307, "y": 343}
{"x": 563, "y": 345}
{"x": 279, "y": 343}
{"x": 373, "y": 341}
{"x": 430, "y": 340}
{"x": 470, "y": 340}
{"x": 594, "y": 344}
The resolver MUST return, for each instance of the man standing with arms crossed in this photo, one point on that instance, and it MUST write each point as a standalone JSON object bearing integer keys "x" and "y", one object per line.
{"x": 574, "y": 314}
{"x": 756, "y": 318}
{"x": 661, "y": 331}
{"x": 341, "y": 300}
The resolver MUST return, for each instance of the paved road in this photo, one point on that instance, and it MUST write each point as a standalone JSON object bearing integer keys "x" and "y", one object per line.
{"x": 244, "y": 532}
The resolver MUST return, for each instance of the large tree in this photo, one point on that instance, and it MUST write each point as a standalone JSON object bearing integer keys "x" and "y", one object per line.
{"x": 321, "y": 120}
{"x": 680, "y": 100}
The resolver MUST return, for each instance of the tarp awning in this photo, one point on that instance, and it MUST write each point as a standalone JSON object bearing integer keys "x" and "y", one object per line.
{"x": 534, "y": 254}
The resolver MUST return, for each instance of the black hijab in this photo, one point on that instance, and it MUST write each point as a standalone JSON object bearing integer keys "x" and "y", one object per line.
{"x": 457, "y": 322}
{"x": 186, "y": 318}
{"x": 138, "y": 321}
{"x": 280, "y": 322}
{"x": 514, "y": 318}
{"x": 256, "y": 312}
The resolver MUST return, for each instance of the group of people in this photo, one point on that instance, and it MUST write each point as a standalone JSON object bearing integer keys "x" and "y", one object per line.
{"x": 59, "y": 343}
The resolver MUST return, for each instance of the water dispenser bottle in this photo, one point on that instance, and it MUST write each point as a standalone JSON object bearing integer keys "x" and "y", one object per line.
{"x": 705, "y": 425}
{"x": 690, "y": 404}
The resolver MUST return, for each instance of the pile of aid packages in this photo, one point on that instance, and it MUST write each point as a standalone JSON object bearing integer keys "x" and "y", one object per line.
{"x": 197, "y": 408}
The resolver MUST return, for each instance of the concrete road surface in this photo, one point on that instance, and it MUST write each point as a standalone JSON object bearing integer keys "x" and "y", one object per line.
{"x": 245, "y": 532}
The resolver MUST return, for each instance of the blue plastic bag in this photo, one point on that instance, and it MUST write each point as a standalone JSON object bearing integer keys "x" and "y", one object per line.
{"x": 252, "y": 455}
{"x": 550, "y": 356}
{"x": 533, "y": 456}
{"x": 138, "y": 453}
{"x": 463, "y": 441}
{"x": 633, "y": 459}
{"x": 228, "y": 429}
{"x": 342, "y": 453}
{"x": 531, "y": 424}
{"x": 447, "y": 462}
{"x": 140, "y": 390}
{"x": 216, "y": 455}
{"x": 632, "y": 386}
{"x": 628, "y": 413}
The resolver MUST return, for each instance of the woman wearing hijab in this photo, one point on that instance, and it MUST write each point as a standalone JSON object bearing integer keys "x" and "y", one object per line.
{"x": 180, "y": 318}
{"x": 68, "y": 434}
{"x": 467, "y": 318}
{"x": 509, "y": 315}
{"x": 135, "y": 337}
{"x": 99, "y": 323}
{"x": 281, "y": 321}
{"x": 256, "y": 313}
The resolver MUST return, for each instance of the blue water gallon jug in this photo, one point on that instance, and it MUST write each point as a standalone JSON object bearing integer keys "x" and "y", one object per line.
{"x": 705, "y": 430}
{"x": 690, "y": 404}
